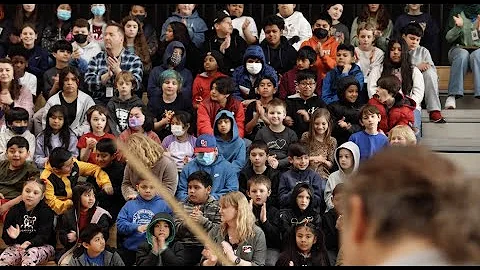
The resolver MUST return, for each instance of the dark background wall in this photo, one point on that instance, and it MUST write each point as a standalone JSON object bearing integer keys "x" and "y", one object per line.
{"x": 157, "y": 14}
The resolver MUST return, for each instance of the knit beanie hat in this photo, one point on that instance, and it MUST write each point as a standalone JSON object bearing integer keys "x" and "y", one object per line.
{"x": 218, "y": 57}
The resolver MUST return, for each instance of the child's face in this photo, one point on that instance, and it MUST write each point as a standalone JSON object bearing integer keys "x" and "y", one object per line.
{"x": 96, "y": 245}
{"x": 170, "y": 86}
{"x": 396, "y": 53}
{"x": 217, "y": 96}
{"x": 286, "y": 9}
{"x": 87, "y": 199}
{"x": 337, "y": 202}
{"x": 28, "y": 37}
{"x": 6, "y": 72}
{"x": 335, "y": 11}
{"x": 305, "y": 239}
{"x": 66, "y": 167}
{"x": 104, "y": 158}
{"x": 344, "y": 57}
{"x": 383, "y": 96}
{"x": 79, "y": 30}
{"x": 98, "y": 122}
{"x": 210, "y": 64}
{"x": 17, "y": 156}
{"x": 370, "y": 121}
{"x": 321, "y": 24}
{"x": 258, "y": 193}
{"x": 32, "y": 194}
{"x": 161, "y": 229}
{"x": 414, "y": 7}
{"x": 303, "y": 64}
{"x": 169, "y": 34}
{"x": 131, "y": 29}
{"x": 320, "y": 125}
{"x": 19, "y": 64}
{"x": 351, "y": 93}
{"x": 307, "y": 87}
{"x": 345, "y": 159}
{"x": 146, "y": 189}
{"x": 300, "y": 163}
{"x": 185, "y": 9}
{"x": 303, "y": 200}
{"x": 266, "y": 88}
{"x": 70, "y": 83}
{"x": 412, "y": 41}
{"x": 398, "y": 139}
{"x": 258, "y": 157}
{"x": 276, "y": 115}
{"x": 56, "y": 121}
{"x": 272, "y": 34}
{"x": 224, "y": 126}
{"x": 235, "y": 9}
{"x": 365, "y": 38}
{"x": 62, "y": 55}
{"x": 124, "y": 87}
{"x": 197, "y": 192}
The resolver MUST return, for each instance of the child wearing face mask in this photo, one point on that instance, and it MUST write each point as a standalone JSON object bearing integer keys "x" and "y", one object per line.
{"x": 140, "y": 120}
{"x": 59, "y": 28}
{"x": 83, "y": 49}
{"x": 98, "y": 23}
{"x": 17, "y": 125}
{"x": 180, "y": 144}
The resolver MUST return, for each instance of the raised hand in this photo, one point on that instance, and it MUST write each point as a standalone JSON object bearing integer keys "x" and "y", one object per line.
{"x": 13, "y": 232}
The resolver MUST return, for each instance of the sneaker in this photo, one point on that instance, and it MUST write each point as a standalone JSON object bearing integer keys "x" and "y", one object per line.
{"x": 436, "y": 117}
{"x": 450, "y": 103}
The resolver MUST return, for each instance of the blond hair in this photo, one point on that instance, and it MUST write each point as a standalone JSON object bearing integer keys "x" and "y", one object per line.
{"x": 245, "y": 218}
{"x": 404, "y": 131}
{"x": 145, "y": 149}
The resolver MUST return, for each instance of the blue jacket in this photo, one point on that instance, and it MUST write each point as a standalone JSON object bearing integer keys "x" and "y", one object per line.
{"x": 196, "y": 27}
{"x": 224, "y": 178}
{"x": 154, "y": 89}
{"x": 290, "y": 178}
{"x": 135, "y": 213}
{"x": 330, "y": 82}
{"x": 234, "y": 151}
{"x": 242, "y": 77}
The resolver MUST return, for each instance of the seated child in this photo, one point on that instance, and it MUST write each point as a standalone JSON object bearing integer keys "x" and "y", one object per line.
{"x": 329, "y": 222}
{"x": 395, "y": 108}
{"x": 160, "y": 248}
{"x": 93, "y": 251}
{"x": 141, "y": 121}
{"x": 16, "y": 119}
{"x": 229, "y": 144}
{"x": 298, "y": 173}
{"x": 14, "y": 171}
{"x": 28, "y": 228}
{"x": 276, "y": 135}
{"x": 61, "y": 174}
{"x": 402, "y": 135}
{"x": 202, "y": 208}
{"x": 347, "y": 157}
{"x": 267, "y": 215}
{"x": 213, "y": 66}
{"x": 369, "y": 140}
{"x": 301, "y": 105}
{"x": 134, "y": 217}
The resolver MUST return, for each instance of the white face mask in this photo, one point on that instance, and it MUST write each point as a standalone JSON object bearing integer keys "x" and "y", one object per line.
{"x": 254, "y": 68}
{"x": 177, "y": 130}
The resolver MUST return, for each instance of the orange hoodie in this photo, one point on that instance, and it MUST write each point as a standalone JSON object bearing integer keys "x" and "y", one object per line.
{"x": 328, "y": 62}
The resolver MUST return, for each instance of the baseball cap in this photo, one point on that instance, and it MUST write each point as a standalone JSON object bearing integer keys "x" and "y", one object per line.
{"x": 220, "y": 15}
{"x": 205, "y": 143}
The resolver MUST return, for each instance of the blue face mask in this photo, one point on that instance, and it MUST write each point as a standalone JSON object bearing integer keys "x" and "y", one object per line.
{"x": 63, "y": 14}
{"x": 98, "y": 10}
{"x": 206, "y": 158}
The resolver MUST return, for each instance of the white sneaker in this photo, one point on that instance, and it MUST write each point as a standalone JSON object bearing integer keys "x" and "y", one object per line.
{"x": 450, "y": 103}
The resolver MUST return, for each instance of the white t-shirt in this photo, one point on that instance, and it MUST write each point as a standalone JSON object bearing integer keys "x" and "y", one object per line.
{"x": 252, "y": 27}
{"x": 29, "y": 81}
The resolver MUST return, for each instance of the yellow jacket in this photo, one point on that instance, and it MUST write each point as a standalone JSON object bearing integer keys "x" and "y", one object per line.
{"x": 58, "y": 193}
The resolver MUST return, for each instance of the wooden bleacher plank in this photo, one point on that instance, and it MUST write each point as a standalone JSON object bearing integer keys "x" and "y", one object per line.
{"x": 444, "y": 76}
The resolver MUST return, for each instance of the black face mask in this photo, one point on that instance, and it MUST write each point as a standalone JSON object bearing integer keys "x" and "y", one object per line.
{"x": 19, "y": 130}
{"x": 141, "y": 18}
{"x": 320, "y": 33}
{"x": 80, "y": 38}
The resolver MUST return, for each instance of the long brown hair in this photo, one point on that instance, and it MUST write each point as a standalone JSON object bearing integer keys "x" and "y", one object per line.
{"x": 20, "y": 18}
{"x": 15, "y": 86}
{"x": 311, "y": 129}
{"x": 140, "y": 42}
{"x": 382, "y": 16}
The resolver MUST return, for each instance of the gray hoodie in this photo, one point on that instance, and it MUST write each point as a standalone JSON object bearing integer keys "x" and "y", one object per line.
{"x": 339, "y": 176}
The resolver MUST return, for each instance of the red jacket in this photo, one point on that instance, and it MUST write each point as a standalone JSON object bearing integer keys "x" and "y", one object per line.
{"x": 208, "y": 109}
{"x": 400, "y": 114}
{"x": 201, "y": 85}
{"x": 288, "y": 84}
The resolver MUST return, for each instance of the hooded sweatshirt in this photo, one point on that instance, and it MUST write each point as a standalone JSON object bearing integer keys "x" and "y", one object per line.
{"x": 283, "y": 58}
{"x": 135, "y": 213}
{"x": 339, "y": 176}
{"x": 118, "y": 111}
{"x": 330, "y": 82}
{"x": 244, "y": 80}
{"x": 196, "y": 27}
{"x": 154, "y": 89}
{"x": 290, "y": 178}
{"x": 233, "y": 150}
{"x": 172, "y": 255}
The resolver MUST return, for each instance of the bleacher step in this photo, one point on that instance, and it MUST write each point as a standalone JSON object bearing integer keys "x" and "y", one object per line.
{"x": 456, "y": 116}
{"x": 468, "y": 162}
{"x": 450, "y": 130}
{"x": 468, "y": 145}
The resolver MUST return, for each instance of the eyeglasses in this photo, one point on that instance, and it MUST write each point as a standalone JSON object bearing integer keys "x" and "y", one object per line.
{"x": 310, "y": 84}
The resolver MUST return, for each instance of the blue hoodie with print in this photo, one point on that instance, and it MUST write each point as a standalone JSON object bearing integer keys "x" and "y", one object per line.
{"x": 242, "y": 77}
{"x": 196, "y": 27}
{"x": 233, "y": 150}
{"x": 135, "y": 213}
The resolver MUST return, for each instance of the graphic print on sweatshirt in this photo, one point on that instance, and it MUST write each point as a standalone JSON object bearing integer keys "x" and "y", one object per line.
{"x": 28, "y": 224}
{"x": 143, "y": 216}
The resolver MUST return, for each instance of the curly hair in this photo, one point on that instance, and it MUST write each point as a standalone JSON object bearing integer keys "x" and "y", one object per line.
{"x": 145, "y": 149}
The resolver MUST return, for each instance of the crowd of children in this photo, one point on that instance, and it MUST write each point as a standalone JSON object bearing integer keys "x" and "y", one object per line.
{"x": 255, "y": 144}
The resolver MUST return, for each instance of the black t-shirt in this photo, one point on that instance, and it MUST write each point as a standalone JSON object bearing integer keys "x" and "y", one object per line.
{"x": 71, "y": 109}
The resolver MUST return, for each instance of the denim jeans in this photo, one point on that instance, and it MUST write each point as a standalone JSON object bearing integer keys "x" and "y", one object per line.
{"x": 461, "y": 60}
{"x": 417, "y": 114}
